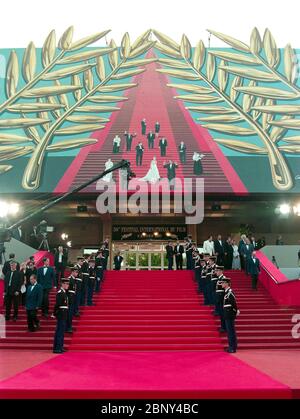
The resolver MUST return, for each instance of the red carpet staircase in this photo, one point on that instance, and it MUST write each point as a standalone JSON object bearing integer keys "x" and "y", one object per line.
{"x": 17, "y": 336}
{"x": 147, "y": 310}
{"x": 262, "y": 323}
{"x": 160, "y": 310}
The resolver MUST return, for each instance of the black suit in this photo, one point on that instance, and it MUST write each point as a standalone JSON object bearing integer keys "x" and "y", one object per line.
{"x": 254, "y": 270}
{"x": 118, "y": 262}
{"x": 151, "y": 137}
{"x": 12, "y": 285}
{"x": 170, "y": 253}
{"x": 178, "y": 251}
{"x": 182, "y": 153}
{"x": 163, "y": 147}
{"x": 219, "y": 250}
{"x": 171, "y": 168}
{"x": 128, "y": 139}
{"x": 139, "y": 155}
{"x": 60, "y": 266}
{"x": 228, "y": 257}
{"x": 6, "y": 267}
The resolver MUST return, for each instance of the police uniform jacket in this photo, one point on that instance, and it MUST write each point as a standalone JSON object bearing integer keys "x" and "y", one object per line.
{"x": 229, "y": 304}
{"x": 61, "y": 305}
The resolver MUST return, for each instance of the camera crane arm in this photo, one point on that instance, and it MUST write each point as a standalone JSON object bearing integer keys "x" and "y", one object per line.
{"x": 121, "y": 165}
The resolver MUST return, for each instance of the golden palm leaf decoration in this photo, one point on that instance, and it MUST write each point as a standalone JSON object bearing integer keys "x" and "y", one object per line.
{"x": 77, "y": 89}
{"x": 242, "y": 81}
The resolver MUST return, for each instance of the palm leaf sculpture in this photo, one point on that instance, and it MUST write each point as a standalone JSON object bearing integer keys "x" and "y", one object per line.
{"x": 65, "y": 98}
{"x": 233, "y": 88}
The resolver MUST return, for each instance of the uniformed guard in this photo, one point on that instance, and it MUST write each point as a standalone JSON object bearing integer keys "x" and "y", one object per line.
{"x": 91, "y": 282}
{"x": 61, "y": 313}
{"x": 197, "y": 268}
{"x": 220, "y": 297}
{"x": 230, "y": 312}
{"x": 85, "y": 279}
{"x": 78, "y": 283}
{"x": 205, "y": 279}
{"x": 213, "y": 280}
{"x": 71, "y": 296}
{"x": 188, "y": 252}
{"x": 209, "y": 274}
{"x": 202, "y": 266}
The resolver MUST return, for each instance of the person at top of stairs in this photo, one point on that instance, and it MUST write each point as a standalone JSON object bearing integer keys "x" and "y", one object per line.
{"x": 230, "y": 312}
{"x": 254, "y": 269}
{"x": 143, "y": 126}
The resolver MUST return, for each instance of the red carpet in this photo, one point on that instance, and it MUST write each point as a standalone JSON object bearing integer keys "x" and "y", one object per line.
{"x": 147, "y": 310}
{"x": 263, "y": 324}
{"x": 281, "y": 365}
{"x": 143, "y": 375}
{"x": 161, "y": 311}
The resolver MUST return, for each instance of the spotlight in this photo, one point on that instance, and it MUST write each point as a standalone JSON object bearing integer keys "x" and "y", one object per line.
{"x": 296, "y": 209}
{"x": 14, "y": 208}
{"x": 8, "y": 208}
{"x": 144, "y": 234}
{"x": 64, "y": 236}
{"x": 284, "y": 209}
{"x": 155, "y": 233}
{"x": 69, "y": 243}
{"x": 168, "y": 234}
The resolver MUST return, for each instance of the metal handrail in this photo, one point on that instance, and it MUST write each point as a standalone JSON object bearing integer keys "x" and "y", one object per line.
{"x": 275, "y": 280}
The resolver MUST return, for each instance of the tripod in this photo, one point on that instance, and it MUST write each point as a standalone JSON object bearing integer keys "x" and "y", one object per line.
{"x": 44, "y": 243}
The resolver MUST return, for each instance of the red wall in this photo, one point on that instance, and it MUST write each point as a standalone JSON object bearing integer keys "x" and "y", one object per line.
{"x": 284, "y": 291}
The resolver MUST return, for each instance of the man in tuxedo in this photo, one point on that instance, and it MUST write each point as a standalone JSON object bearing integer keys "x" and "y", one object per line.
{"x": 254, "y": 269}
{"x": 219, "y": 250}
{"x": 139, "y": 154}
{"x": 171, "y": 169}
{"x": 242, "y": 242}
{"x": 182, "y": 152}
{"x": 143, "y": 126}
{"x": 7, "y": 266}
{"x": 246, "y": 250}
{"x": 157, "y": 127}
{"x": 128, "y": 139}
{"x": 254, "y": 243}
{"x": 150, "y": 137}
{"x": 60, "y": 263}
{"x": 228, "y": 253}
{"x": 34, "y": 297}
{"x": 118, "y": 259}
{"x": 46, "y": 278}
{"x": 100, "y": 264}
{"x": 163, "y": 144}
{"x": 170, "y": 254}
{"x": 12, "y": 289}
{"x": 178, "y": 251}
